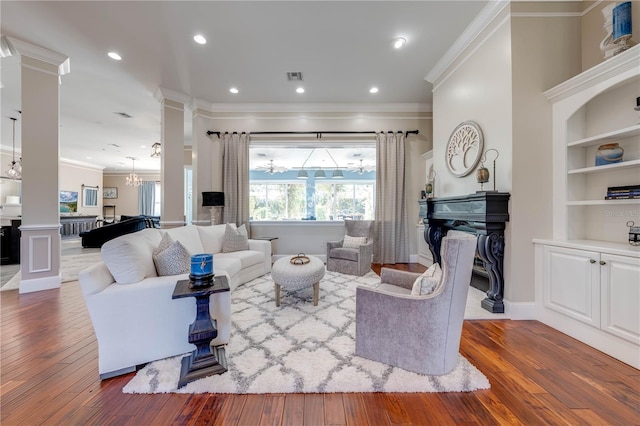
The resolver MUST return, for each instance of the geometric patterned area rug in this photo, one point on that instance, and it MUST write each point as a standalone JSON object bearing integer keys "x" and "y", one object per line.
{"x": 300, "y": 348}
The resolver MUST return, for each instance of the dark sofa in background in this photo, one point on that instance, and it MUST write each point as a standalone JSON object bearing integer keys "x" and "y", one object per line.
{"x": 152, "y": 221}
{"x": 127, "y": 225}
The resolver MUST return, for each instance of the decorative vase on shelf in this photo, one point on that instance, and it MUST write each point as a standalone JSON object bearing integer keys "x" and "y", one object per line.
{"x": 622, "y": 27}
{"x": 609, "y": 153}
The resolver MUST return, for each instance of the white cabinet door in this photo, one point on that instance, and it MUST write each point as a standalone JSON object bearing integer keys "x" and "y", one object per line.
{"x": 620, "y": 279}
{"x": 572, "y": 283}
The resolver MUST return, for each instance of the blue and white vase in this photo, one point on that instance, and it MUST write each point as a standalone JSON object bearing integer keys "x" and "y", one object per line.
{"x": 609, "y": 153}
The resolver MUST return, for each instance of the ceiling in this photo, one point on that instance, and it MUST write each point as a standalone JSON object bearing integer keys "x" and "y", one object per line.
{"x": 342, "y": 48}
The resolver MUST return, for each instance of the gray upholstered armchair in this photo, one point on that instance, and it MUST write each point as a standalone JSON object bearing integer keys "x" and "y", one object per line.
{"x": 417, "y": 333}
{"x": 352, "y": 260}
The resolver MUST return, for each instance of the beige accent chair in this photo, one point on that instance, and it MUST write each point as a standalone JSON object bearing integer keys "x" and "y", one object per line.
{"x": 418, "y": 333}
{"x": 352, "y": 261}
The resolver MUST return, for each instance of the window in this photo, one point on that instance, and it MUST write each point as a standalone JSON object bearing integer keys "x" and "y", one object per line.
{"x": 277, "y": 201}
{"x": 295, "y": 181}
{"x": 345, "y": 200}
{"x": 89, "y": 196}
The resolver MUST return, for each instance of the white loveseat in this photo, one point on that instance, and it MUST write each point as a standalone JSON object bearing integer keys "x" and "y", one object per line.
{"x": 133, "y": 315}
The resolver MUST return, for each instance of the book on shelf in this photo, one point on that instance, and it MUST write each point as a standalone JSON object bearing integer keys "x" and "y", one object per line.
{"x": 624, "y": 188}
{"x": 624, "y": 193}
{"x": 622, "y": 197}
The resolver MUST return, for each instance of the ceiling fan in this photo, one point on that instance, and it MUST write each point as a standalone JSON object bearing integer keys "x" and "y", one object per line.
{"x": 271, "y": 168}
{"x": 361, "y": 168}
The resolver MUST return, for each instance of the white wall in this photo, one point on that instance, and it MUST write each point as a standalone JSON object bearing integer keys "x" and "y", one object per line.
{"x": 72, "y": 177}
{"x": 545, "y": 52}
{"x": 127, "y": 201}
{"x": 299, "y": 237}
{"x": 476, "y": 88}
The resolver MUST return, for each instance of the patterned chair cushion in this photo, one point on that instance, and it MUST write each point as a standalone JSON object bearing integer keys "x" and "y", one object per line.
{"x": 353, "y": 242}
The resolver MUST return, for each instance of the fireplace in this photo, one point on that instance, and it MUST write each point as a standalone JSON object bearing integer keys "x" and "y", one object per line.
{"x": 485, "y": 214}
{"x": 480, "y": 276}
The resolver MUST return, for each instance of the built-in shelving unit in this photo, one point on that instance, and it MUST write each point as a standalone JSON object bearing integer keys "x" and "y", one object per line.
{"x": 587, "y": 276}
{"x": 589, "y": 110}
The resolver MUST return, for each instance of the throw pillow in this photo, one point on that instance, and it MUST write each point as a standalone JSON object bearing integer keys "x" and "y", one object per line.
{"x": 428, "y": 281}
{"x": 353, "y": 242}
{"x": 433, "y": 271}
{"x": 172, "y": 260}
{"x": 423, "y": 286}
{"x": 165, "y": 242}
{"x": 235, "y": 239}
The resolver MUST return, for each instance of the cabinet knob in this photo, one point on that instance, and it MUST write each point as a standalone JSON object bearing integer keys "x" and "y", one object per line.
{"x": 592, "y": 261}
{"x": 602, "y": 262}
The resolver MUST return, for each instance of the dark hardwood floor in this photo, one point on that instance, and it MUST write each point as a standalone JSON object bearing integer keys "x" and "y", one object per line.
{"x": 49, "y": 375}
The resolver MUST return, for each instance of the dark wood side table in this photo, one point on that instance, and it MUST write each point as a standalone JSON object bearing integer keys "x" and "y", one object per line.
{"x": 204, "y": 360}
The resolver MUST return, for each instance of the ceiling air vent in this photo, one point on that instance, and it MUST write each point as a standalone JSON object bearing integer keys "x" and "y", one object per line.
{"x": 294, "y": 76}
{"x": 123, "y": 114}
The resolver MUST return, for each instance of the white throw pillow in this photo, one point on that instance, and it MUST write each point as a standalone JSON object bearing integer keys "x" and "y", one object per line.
{"x": 129, "y": 257}
{"x": 428, "y": 281}
{"x": 211, "y": 238}
{"x": 433, "y": 271}
{"x": 235, "y": 239}
{"x": 353, "y": 242}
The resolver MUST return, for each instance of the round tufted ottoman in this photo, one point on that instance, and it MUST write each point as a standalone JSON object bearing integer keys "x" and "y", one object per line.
{"x": 296, "y": 277}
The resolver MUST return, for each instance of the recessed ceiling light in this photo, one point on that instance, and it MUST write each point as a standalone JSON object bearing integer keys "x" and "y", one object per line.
{"x": 399, "y": 42}
{"x": 373, "y": 90}
{"x": 300, "y": 90}
{"x": 233, "y": 90}
{"x": 88, "y": 158}
{"x": 114, "y": 55}
{"x": 199, "y": 38}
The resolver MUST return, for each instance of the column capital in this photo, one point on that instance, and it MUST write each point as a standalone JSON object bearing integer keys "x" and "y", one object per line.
{"x": 161, "y": 94}
{"x": 10, "y": 46}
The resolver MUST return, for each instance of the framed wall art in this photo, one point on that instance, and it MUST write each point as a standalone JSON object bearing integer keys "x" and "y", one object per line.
{"x": 110, "y": 192}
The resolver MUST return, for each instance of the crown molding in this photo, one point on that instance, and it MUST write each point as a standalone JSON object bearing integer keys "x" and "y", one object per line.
{"x": 310, "y": 107}
{"x": 12, "y": 46}
{"x": 468, "y": 36}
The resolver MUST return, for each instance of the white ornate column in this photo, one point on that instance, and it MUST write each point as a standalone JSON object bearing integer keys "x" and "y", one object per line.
{"x": 206, "y": 176}
{"x": 40, "y": 229}
{"x": 172, "y": 159}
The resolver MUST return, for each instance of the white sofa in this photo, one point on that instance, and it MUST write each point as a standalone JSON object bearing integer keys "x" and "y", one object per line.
{"x": 133, "y": 315}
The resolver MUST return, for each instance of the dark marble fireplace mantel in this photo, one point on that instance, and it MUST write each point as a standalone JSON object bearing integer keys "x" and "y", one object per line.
{"x": 485, "y": 214}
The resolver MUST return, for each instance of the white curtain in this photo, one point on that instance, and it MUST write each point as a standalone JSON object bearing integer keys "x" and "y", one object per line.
{"x": 146, "y": 197}
{"x": 236, "y": 178}
{"x": 391, "y": 240}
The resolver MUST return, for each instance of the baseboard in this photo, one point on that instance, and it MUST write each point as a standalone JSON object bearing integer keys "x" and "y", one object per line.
{"x": 38, "y": 284}
{"x": 520, "y": 310}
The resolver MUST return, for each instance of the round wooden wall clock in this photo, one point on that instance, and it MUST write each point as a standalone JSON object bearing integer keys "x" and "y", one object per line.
{"x": 464, "y": 148}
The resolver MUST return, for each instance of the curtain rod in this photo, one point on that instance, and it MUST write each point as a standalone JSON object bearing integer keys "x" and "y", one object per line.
{"x": 317, "y": 133}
